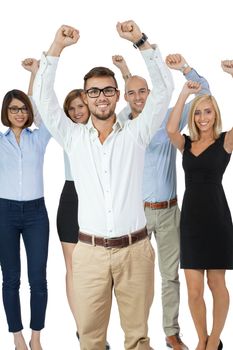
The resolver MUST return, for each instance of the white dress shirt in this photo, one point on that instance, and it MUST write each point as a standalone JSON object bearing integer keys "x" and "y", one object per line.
{"x": 68, "y": 175}
{"x": 108, "y": 176}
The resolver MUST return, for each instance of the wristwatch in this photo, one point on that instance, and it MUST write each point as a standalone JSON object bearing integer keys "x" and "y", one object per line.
{"x": 141, "y": 41}
{"x": 185, "y": 65}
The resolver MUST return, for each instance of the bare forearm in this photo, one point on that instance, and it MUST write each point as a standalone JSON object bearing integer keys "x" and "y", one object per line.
{"x": 125, "y": 73}
{"x": 54, "y": 50}
{"x": 30, "y": 86}
{"x": 175, "y": 115}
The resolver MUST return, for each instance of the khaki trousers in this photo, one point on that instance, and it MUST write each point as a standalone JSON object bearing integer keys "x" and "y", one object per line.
{"x": 97, "y": 271}
{"x": 165, "y": 225}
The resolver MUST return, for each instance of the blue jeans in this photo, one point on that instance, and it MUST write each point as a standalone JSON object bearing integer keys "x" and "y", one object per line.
{"x": 30, "y": 219}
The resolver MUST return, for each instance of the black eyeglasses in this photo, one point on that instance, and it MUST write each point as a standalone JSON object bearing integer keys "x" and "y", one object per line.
{"x": 108, "y": 91}
{"x": 15, "y": 110}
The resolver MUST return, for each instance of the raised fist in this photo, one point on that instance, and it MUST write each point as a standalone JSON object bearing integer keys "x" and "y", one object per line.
{"x": 191, "y": 87}
{"x": 31, "y": 64}
{"x": 175, "y": 61}
{"x": 227, "y": 66}
{"x": 66, "y": 36}
{"x": 129, "y": 30}
{"x": 118, "y": 61}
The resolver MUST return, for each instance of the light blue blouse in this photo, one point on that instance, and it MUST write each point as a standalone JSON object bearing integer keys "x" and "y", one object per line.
{"x": 21, "y": 165}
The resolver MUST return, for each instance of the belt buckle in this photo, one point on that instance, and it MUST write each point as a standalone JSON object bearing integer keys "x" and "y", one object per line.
{"x": 152, "y": 205}
{"x": 106, "y": 244}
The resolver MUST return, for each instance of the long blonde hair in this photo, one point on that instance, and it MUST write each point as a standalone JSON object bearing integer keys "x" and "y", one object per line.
{"x": 217, "y": 127}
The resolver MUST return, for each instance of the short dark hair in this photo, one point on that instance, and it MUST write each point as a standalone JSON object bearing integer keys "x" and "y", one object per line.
{"x": 100, "y": 72}
{"x": 70, "y": 97}
{"x": 19, "y": 95}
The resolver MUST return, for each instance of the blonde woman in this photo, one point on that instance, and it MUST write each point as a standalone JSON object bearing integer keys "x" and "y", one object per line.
{"x": 206, "y": 224}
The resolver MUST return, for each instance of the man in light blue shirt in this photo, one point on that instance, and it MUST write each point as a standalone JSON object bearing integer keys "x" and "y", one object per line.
{"x": 159, "y": 190}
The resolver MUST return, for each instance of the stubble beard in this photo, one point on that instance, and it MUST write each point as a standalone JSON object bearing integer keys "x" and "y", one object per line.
{"x": 100, "y": 116}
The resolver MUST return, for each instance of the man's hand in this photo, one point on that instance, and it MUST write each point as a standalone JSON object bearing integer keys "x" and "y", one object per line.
{"x": 65, "y": 36}
{"x": 227, "y": 66}
{"x": 119, "y": 61}
{"x": 129, "y": 30}
{"x": 31, "y": 64}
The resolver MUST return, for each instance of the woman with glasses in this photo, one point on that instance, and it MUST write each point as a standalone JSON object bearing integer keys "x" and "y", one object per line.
{"x": 23, "y": 213}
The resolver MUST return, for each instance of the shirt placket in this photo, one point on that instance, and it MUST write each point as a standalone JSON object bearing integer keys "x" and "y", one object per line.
{"x": 107, "y": 190}
{"x": 20, "y": 172}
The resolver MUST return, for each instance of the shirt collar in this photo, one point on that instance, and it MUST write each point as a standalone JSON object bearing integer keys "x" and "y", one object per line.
{"x": 117, "y": 125}
{"x": 10, "y": 132}
{"x": 7, "y": 132}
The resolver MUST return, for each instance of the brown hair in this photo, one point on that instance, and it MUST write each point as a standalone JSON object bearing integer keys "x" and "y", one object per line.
{"x": 21, "y": 96}
{"x": 100, "y": 72}
{"x": 217, "y": 127}
{"x": 70, "y": 97}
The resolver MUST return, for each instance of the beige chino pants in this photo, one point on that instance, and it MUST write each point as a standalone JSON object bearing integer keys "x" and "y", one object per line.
{"x": 129, "y": 271}
{"x": 165, "y": 224}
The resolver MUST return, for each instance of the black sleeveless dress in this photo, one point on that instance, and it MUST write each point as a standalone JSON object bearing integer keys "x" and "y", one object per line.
{"x": 206, "y": 225}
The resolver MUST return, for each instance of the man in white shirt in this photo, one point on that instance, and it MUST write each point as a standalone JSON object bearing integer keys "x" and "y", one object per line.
{"x": 106, "y": 158}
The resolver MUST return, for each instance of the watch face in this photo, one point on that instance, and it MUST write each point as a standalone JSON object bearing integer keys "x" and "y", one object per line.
{"x": 185, "y": 65}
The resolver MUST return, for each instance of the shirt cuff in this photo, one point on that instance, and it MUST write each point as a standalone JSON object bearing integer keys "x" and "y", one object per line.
{"x": 46, "y": 61}
{"x": 150, "y": 53}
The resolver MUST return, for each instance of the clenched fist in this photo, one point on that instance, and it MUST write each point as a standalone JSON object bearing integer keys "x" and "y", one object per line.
{"x": 129, "y": 30}
{"x": 65, "y": 36}
{"x": 227, "y": 66}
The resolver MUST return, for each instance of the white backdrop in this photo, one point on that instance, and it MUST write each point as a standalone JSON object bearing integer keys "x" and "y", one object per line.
{"x": 200, "y": 31}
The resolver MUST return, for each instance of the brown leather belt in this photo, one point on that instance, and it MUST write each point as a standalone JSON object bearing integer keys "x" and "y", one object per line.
{"x": 118, "y": 242}
{"x": 161, "y": 205}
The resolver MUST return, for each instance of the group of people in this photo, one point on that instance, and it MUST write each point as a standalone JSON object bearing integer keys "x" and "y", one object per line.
{"x": 120, "y": 188}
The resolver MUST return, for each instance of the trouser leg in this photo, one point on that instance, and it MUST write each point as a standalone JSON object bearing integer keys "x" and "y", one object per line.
{"x": 36, "y": 236}
{"x": 92, "y": 282}
{"x": 10, "y": 262}
{"x": 133, "y": 275}
{"x": 165, "y": 224}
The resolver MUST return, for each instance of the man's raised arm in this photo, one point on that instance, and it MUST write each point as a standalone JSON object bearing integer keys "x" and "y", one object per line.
{"x": 148, "y": 122}
{"x": 43, "y": 88}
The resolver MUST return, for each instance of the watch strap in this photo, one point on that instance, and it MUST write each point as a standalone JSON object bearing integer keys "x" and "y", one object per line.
{"x": 141, "y": 41}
